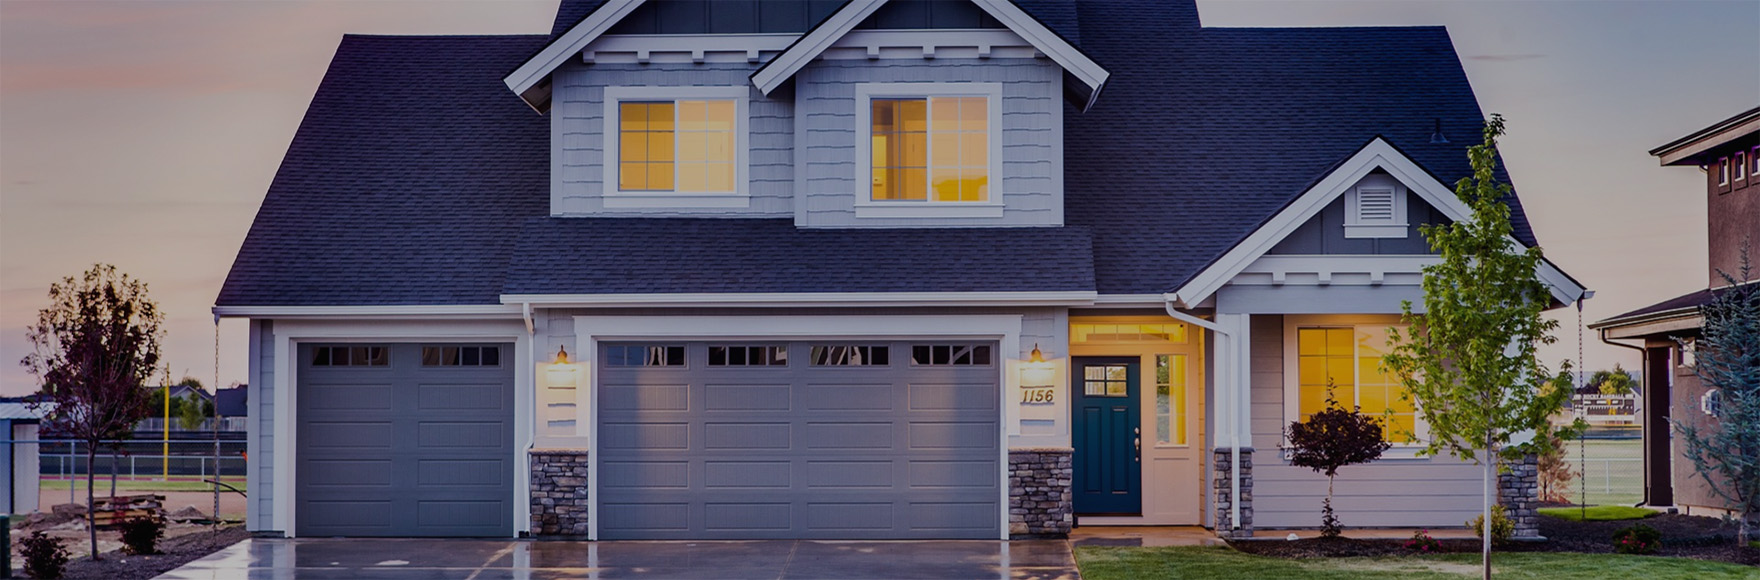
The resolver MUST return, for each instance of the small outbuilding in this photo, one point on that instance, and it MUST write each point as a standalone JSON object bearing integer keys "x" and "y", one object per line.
{"x": 19, "y": 471}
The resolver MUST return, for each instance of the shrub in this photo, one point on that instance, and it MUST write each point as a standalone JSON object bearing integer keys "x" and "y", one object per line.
{"x": 140, "y": 535}
{"x": 1501, "y": 526}
{"x": 1638, "y": 539}
{"x": 44, "y": 557}
{"x": 1422, "y": 543}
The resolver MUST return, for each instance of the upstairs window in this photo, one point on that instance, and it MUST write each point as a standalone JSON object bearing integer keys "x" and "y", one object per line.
{"x": 683, "y": 143}
{"x": 1754, "y": 158}
{"x": 1722, "y": 170}
{"x": 1741, "y": 166}
{"x": 930, "y": 149}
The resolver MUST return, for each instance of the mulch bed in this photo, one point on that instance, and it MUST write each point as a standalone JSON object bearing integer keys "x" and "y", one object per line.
{"x": 174, "y": 552}
{"x": 1682, "y": 536}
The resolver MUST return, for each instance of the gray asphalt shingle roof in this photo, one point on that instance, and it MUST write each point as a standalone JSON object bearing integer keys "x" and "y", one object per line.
{"x": 416, "y": 173}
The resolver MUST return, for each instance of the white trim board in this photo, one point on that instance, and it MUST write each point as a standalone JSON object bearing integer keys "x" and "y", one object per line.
{"x": 1377, "y": 154}
{"x": 425, "y": 312}
{"x": 806, "y": 299}
{"x": 589, "y": 330}
{"x": 773, "y": 74}
{"x": 527, "y": 80}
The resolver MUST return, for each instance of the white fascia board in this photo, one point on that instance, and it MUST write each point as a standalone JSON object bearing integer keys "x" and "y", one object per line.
{"x": 809, "y": 47}
{"x": 539, "y": 66}
{"x": 1378, "y": 154}
{"x": 511, "y": 310}
{"x": 780, "y": 69}
{"x": 804, "y": 299}
{"x": 1048, "y": 42}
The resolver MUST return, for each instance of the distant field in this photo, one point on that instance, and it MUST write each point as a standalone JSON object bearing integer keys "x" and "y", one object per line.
{"x": 176, "y": 484}
{"x": 1614, "y": 471}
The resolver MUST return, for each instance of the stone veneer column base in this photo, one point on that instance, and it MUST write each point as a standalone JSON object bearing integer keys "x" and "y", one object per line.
{"x": 1223, "y": 462}
{"x": 1039, "y": 496}
{"x": 559, "y": 492}
{"x": 1518, "y": 491}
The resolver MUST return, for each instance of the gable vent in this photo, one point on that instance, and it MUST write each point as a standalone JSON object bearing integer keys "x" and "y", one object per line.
{"x": 1375, "y": 206}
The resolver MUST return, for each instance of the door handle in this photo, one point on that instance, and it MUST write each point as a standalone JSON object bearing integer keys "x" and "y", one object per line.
{"x": 1138, "y": 443}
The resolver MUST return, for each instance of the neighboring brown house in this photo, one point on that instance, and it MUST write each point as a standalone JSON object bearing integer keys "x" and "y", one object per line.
{"x": 1729, "y": 154}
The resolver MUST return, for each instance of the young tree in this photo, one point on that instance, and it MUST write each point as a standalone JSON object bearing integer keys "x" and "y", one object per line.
{"x": 1726, "y": 450}
{"x": 1330, "y": 439}
{"x": 1614, "y": 382}
{"x": 95, "y": 345}
{"x": 1469, "y": 363}
{"x": 192, "y": 410}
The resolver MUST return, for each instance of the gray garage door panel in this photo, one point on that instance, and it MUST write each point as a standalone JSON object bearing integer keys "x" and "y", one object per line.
{"x": 799, "y": 451}
{"x": 403, "y": 449}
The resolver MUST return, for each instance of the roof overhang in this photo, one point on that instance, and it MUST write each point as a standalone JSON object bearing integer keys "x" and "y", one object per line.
{"x": 531, "y": 81}
{"x": 1654, "y": 323}
{"x": 1377, "y": 154}
{"x": 1089, "y": 74}
{"x": 370, "y": 311}
{"x": 1687, "y": 149}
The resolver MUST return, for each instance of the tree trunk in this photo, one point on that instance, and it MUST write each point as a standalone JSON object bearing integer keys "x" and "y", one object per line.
{"x": 91, "y": 505}
{"x": 115, "y": 465}
{"x": 1485, "y": 525}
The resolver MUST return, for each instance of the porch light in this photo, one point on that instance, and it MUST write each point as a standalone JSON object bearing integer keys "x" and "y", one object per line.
{"x": 1037, "y": 357}
{"x": 1036, "y": 371}
{"x": 560, "y": 374}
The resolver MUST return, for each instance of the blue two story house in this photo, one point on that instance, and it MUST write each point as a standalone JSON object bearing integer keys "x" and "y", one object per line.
{"x": 847, "y": 270}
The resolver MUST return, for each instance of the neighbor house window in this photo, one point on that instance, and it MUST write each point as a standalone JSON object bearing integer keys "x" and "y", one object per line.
{"x": 1723, "y": 171}
{"x": 930, "y": 149}
{"x": 676, "y": 146}
{"x": 1347, "y": 359}
{"x": 1754, "y": 158}
{"x": 1741, "y": 163}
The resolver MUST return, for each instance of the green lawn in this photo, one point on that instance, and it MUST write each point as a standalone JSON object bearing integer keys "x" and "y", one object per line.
{"x": 143, "y": 485}
{"x": 1193, "y": 563}
{"x": 1598, "y": 513}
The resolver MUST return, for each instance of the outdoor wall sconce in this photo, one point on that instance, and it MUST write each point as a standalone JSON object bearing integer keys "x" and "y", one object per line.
{"x": 560, "y": 374}
{"x": 1038, "y": 378}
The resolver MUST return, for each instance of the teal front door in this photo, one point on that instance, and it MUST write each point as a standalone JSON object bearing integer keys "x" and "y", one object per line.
{"x": 1108, "y": 436}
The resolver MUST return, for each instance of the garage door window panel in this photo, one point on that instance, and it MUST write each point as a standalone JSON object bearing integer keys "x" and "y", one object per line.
{"x": 950, "y": 355}
{"x": 744, "y": 356}
{"x": 850, "y": 356}
{"x": 644, "y": 355}
{"x": 351, "y": 356}
{"x": 461, "y": 356}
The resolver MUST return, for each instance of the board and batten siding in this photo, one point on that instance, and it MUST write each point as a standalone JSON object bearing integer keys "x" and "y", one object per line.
{"x": 1031, "y": 167}
{"x": 260, "y": 428}
{"x": 1424, "y": 492}
{"x": 577, "y": 124}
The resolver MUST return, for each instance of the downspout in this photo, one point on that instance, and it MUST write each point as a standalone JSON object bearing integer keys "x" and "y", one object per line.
{"x": 1234, "y": 431}
{"x": 532, "y": 426}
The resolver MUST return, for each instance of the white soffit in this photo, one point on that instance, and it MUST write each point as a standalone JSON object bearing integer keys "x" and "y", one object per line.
{"x": 773, "y": 74}
{"x": 1377, "y": 154}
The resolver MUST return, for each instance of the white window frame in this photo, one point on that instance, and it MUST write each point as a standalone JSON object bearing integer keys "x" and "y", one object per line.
{"x": 1292, "y": 373}
{"x": 612, "y": 133}
{"x": 1754, "y": 158}
{"x": 1723, "y": 171}
{"x": 1741, "y": 161}
{"x": 1355, "y": 226}
{"x": 867, "y": 207}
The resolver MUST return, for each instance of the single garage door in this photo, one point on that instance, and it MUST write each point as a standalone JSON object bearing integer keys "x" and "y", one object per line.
{"x": 405, "y": 440}
{"x": 889, "y": 439}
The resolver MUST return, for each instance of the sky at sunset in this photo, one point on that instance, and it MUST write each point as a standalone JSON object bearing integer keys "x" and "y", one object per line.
{"x": 145, "y": 133}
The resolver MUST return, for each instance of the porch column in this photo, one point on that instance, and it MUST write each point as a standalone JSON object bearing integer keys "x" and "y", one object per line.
{"x": 1233, "y": 455}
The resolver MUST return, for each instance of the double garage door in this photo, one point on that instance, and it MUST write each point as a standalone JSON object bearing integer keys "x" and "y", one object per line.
{"x": 888, "y": 439}
{"x": 404, "y": 440}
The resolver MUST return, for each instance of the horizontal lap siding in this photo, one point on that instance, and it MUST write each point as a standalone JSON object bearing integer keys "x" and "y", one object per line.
{"x": 1032, "y": 135}
{"x": 260, "y": 448}
{"x": 1435, "y": 492}
{"x": 578, "y": 139}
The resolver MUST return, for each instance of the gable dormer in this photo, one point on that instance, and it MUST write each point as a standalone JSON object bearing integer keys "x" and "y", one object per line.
{"x": 876, "y": 114}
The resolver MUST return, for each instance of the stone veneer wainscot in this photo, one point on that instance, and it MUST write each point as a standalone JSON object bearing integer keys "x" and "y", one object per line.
{"x": 560, "y": 499}
{"x": 1039, "y": 495}
{"x": 1518, "y": 491}
{"x": 1223, "y": 460}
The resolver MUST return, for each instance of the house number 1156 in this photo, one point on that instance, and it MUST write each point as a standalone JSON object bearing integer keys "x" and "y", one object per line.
{"x": 1037, "y": 396}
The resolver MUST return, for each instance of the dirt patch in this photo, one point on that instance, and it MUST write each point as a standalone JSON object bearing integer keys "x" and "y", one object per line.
{"x": 174, "y": 552}
{"x": 1682, "y": 536}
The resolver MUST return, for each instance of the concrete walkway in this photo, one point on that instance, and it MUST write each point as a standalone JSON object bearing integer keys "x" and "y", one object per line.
{"x": 409, "y": 559}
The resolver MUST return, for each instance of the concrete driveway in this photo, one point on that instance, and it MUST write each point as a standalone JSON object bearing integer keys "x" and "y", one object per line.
{"x": 409, "y": 559}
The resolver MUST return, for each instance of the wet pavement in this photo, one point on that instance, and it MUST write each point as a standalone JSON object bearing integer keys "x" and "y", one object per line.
{"x": 409, "y": 559}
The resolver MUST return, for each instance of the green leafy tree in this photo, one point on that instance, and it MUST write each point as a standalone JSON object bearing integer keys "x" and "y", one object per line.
{"x": 1330, "y": 439}
{"x": 1614, "y": 382}
{"x": 1726, "y": 449}
{"x": 191, "y": 410}
{"x": 95, "y": 346}
{"x": 1470, "y": 362}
